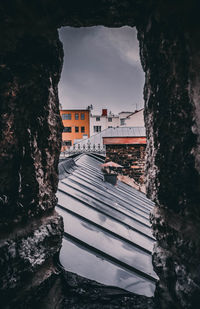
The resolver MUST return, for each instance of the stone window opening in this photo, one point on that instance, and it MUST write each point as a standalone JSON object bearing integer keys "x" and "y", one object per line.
{"x": 170, "y": 55}
{"x": 159, "y": 93}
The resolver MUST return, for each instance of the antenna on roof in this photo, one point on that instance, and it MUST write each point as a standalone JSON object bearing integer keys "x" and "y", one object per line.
{"x": 90, "y": 107}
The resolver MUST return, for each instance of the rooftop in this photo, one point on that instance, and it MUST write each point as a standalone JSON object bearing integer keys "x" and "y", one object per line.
{"x": 107, "y": 231}
{"x": 97, "y": 139}
{"x": 76, "y": 110}
{"x": 135, "y": 112}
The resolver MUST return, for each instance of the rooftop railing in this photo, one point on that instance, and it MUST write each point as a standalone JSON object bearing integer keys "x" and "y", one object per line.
{"x": 83, "y": 149}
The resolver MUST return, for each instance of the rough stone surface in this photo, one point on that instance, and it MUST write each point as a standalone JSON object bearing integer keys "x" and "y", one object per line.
{"x": 30, "y": 126}
{"x": 169, "y": 47}
{"x": 30, "y": 140}
{"x": 30, "y": 64}
{"x": 25, "y": 252}
{"x": 81, "y": 293}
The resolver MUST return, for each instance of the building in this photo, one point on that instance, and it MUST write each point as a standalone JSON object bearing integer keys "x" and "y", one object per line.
{"x": 95, "y": 142}
{"x": 129, "y": 119}
{"x": 79, "y": 125}
{"x": 129, "y": 152}
{"x": 76, "y": 126}
{"x": 123, "y": 116}
{"x": 98, "y": 123}
{"x": 123, "y": 145}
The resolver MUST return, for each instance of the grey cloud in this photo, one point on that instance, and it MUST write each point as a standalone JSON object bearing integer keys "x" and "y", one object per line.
{"x": 101, "y": 67}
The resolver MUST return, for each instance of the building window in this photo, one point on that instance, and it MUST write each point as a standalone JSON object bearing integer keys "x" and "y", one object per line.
{"x": 66, "y": 116}
{"x": 98, "y": 118}
{"x": 122, "y": 122}
{"x": 82, "y": 129}
{"x": 67, "y": 129}
{"x": 109, "y": 119}
{"x": 82, "y": 116}
{"x": 76, "y": 129}
{"x": 97, "y": 129}
{"x": 109, "y": 127}
{"x": 67, "y": 143}
{"x": 76, "y": 116}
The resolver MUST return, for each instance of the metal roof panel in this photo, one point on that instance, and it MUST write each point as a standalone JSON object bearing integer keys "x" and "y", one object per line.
{"x": 106, "y": 227}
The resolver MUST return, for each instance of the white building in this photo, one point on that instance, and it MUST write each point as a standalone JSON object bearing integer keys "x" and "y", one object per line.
{"x": 95, "y": 142}
{"x": 123, "y": 115}
{"x": 135, "y": 119}
{"x": 99, "y": 123}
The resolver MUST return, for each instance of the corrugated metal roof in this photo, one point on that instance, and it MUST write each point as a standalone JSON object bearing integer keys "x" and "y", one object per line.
{"x": 97, "y": 139}
{"x": 107, "y": 231}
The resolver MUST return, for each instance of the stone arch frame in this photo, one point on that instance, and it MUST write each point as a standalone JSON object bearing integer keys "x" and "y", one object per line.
{"x": 31, "y": 62}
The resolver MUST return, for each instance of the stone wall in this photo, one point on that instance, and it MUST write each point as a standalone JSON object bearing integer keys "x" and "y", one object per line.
{"x": 30, "y": 229}
{"x": 170, "y": 54}
{"x": 131, "y": 157}
{"x": 30, "y": 138}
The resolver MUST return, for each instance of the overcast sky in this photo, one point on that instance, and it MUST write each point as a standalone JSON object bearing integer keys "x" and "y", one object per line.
{"x": 102, "y": 68}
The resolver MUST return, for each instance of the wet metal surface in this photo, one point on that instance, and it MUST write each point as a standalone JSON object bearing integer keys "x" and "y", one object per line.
{"x": 107, "y": 230}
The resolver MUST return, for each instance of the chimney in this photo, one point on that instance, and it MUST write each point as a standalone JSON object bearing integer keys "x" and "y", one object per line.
{"x": 109, "y": 170}
{"x": 104, "y": 112}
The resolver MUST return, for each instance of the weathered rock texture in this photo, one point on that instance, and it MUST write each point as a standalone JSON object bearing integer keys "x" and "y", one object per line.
{"x": 30, "y": 230}
{"x": 30, "y": 64}
{"x": 81, "y": 293}
{"x": 170, "y": 58}
{"x": 131, "y": 157}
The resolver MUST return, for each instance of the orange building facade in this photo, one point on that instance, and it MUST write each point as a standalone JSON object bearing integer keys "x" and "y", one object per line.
{"x": 76, "y": 126}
